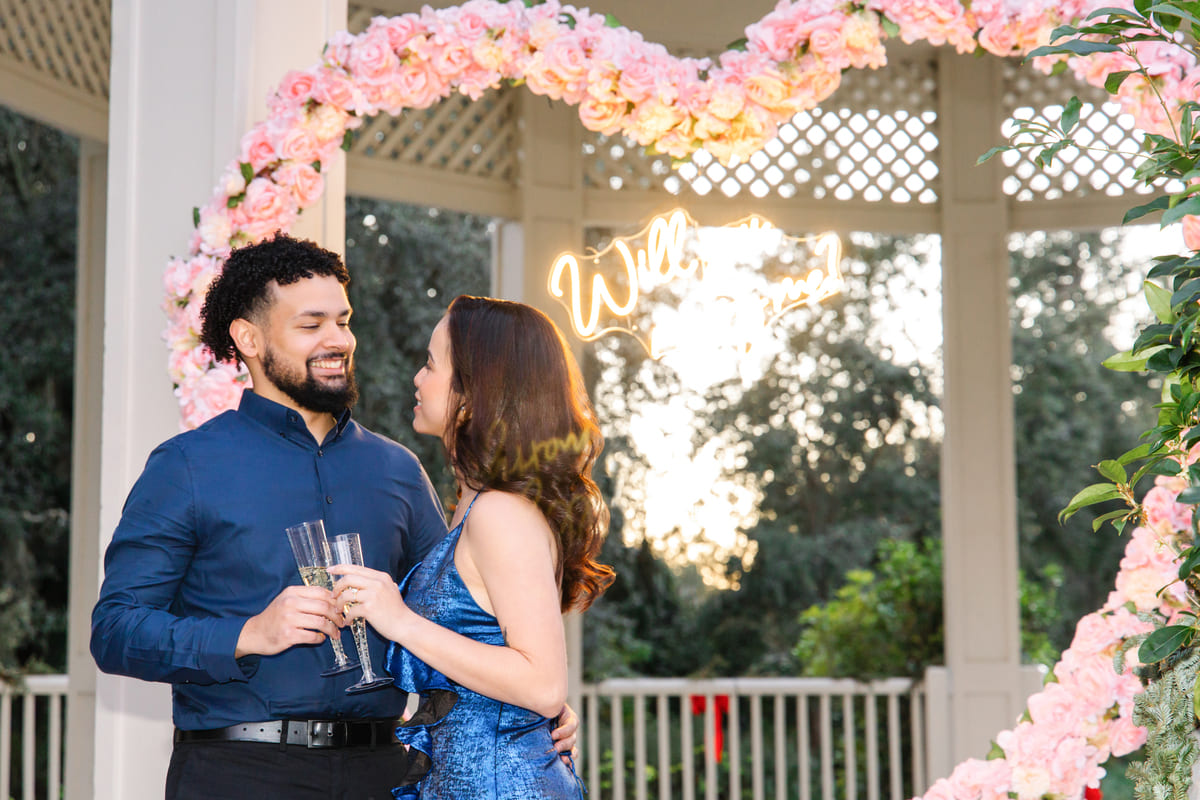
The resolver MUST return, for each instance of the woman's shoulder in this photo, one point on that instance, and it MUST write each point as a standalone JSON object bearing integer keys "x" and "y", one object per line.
{"x": 495, "y": 512}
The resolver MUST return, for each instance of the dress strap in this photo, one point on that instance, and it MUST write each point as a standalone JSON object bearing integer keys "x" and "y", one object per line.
{"x": 470, "y": 505}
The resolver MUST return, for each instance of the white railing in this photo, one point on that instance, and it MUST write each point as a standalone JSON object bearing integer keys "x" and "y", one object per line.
{"x": 801, "y": 738}
{"x": 39, "y": 729}
{"x": 825, "y": 738}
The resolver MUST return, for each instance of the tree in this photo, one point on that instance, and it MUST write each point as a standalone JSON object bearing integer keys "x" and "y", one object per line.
{"x": 406, "y": 264}
{"x": 38, "y": 198}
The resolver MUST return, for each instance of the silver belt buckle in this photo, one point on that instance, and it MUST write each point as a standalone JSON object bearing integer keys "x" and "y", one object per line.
{"x": 321, "y": 733}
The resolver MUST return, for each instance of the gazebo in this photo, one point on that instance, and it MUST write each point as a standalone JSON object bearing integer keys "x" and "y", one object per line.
{"x": 161, "y": 92}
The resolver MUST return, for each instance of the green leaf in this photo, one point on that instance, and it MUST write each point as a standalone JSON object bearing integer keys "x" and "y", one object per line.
{"x": 890, "y": 28}
{"x": 1112, "y": 470}
{"x": 611, "y": 21}
{"x": 1159, "y": 300}
{"x": 195, "y": 216}
{"x": 1189, "y": 559}
{"x": 1099, "y": 521}
{"x": 1061, "y": 31}
{"x": 1112, "y": 83}
{"x": 1089, "y": 495}
{"x": 1163, "y": 642}
{"x": 1181, "y": 210}
{"x": 247, "y": 171}
{"x": 1128, "y": 362}
{"x": 1074, "y": 47}
{"x": 348, "y": 141}
{"x": 567, "y": 19}
{"x": 1196, "y": 698}
{"x": 1157, "y": 204}
{"x": 1137, "y": 453}
{"x": 996, "y": 752}
{"x": 1070, "y": 116}
{"x": 1189, "y": 496}
{"x": 235, "y": 200}
{"x": 738, "y": 44}
{"x": 992, "y": 152}
{"x": 1168, "y": 10}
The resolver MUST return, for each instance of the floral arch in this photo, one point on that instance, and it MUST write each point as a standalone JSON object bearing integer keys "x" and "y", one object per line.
{"x": 789, "y": 61}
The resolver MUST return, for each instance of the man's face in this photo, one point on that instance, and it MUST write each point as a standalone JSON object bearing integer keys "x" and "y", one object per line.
{"x": 308, "y": 348}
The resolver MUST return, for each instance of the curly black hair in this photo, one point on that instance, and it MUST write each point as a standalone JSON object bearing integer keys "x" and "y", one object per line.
{"x": 242, "y": 290}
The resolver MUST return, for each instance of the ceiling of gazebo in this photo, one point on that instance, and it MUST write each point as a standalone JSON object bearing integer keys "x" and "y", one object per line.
{"x": 686, "y": 27}
{"x": 57, "y": 71}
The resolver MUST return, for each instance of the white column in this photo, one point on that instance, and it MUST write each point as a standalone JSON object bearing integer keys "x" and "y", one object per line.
{"x": 188, "y": 79}
{"x": 551, "y": 221}
{"x": 979, "y": 527}
{"x": 85, "y": 465}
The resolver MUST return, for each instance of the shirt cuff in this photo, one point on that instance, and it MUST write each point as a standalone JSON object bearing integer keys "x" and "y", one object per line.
{"x": 222, "y": 644}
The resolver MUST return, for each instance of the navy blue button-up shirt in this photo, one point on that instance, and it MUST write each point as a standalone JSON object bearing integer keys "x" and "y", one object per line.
{"x": 201, "y": 548}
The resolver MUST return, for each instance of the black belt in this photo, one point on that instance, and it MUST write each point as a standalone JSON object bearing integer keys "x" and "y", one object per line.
{"x": 323, "y": 733}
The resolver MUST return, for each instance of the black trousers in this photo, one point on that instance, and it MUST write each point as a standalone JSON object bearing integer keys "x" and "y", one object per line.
{"x": 254, "y": 771}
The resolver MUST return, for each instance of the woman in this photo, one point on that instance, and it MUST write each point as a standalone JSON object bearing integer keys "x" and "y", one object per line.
{"x": 479, "y": 628}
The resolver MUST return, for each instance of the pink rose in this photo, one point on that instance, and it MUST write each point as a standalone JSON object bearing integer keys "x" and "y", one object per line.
{"x": 638, "y": 81}
{"x": 398, "y": 32}
{"x": 776, "y": 35}
{"x": 559, "y": 71}
{"x": 1191, "y": 232}
{"x": 299, "y": 144}
{"x": 267, "y": 208}
{"x": 416, "y": 86}
{"x": 305, "y": 183}
{"x": 999, "y": 38}
{"x": 296, "y": 86}
{"x": 372, "y": 59}
{"x": 337, "y": 50}
{"x": 334, "y": 89}
{"x": 215, "y": 228}
{"x": 258, "y": 147}
{"x": 1125, "y": 737}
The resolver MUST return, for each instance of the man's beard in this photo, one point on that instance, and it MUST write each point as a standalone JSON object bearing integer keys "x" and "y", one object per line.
{"x": 307, "y": 391}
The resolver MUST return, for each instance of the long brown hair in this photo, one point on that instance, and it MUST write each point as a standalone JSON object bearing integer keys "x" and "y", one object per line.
{"x": 523, "y": 424}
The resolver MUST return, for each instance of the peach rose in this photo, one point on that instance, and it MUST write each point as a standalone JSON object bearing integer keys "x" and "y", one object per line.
{"x": 1191, "y": 232}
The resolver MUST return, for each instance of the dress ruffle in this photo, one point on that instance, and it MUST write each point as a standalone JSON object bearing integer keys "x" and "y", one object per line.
{"x": 438, "y": 695}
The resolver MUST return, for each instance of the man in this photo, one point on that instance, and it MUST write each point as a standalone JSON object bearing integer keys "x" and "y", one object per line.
{"x": 201, "y": 589}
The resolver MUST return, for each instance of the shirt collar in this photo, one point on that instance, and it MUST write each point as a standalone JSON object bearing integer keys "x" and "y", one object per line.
{"x": 282, "y": 419}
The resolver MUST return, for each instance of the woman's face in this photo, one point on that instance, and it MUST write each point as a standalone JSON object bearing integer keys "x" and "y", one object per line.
{"x": 434, "y": 403}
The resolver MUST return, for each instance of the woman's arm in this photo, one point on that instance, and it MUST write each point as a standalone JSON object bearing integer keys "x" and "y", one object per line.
{"x": 506, "y": 557}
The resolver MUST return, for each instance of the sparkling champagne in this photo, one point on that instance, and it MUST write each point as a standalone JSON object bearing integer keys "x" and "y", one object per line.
{"x": 317, "y": 576}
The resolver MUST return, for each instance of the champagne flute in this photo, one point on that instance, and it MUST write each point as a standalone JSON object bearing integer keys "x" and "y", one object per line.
{"x": 312, "y": 557}
{"x": 347, "y": 549}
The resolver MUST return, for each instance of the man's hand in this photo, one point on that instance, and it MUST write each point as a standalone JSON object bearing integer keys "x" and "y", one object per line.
{"x": 297, "y": 615}
{"x": 564, "y": 735}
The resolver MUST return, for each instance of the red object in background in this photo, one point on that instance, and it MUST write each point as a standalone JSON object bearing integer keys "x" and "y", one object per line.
{"x": 1092, "y": 793}
{"x": 720, "y": 708}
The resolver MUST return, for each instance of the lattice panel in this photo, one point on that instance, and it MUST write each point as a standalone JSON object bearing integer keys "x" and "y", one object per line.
{"x": 458, "y": 135}
{"x": 1029, "y": 94}
{"x": 67, "y": 40}
{"x": 875, "y": 139}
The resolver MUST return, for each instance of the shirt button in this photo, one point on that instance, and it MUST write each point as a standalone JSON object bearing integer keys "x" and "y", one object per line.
{"x": 328, "y": 498}
{"x": 320, "y": 453}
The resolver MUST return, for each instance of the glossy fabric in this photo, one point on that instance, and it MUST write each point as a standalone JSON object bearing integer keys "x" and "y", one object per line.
{"x": 480, "y": 748}
{"x": 201, "y": 547}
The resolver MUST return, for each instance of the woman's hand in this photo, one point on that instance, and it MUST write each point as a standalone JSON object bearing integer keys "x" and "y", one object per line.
{"x": 371, "y": 595}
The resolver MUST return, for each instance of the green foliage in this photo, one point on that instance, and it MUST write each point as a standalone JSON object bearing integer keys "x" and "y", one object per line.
{"x": 888, "y": 621}
{"x": 1165, "y": 710}
{"x": 406, "y": 264}
{"x": 38, "y": 191}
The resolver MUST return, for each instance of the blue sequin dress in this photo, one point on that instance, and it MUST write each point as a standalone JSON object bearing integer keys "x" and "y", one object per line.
{"x": 463, "y": 745}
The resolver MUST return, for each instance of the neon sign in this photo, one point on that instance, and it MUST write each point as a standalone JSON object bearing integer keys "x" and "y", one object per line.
{"x": 678, "y": 252}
